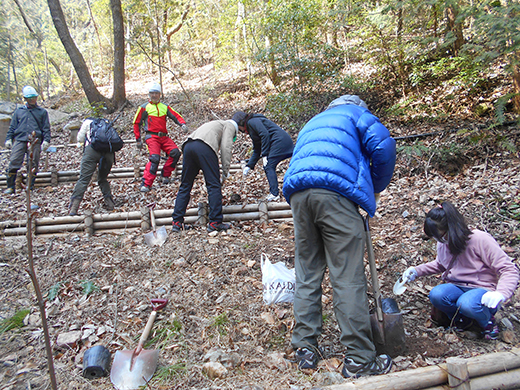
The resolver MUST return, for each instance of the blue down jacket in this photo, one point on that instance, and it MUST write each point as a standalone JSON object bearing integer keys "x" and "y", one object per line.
{"x": 344, "y": 149}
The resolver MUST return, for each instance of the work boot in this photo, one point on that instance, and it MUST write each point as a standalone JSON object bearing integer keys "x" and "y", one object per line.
{"x": 11, "y": 182}
{"x": 178, "y": 226}
{"x": 109, "y": 203}
{"x": 166, "y": 180}
{"x": 74, "y": 206}
{"x": 145, "y": 188}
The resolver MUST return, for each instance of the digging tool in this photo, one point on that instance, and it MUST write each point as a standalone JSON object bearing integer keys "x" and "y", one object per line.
{"x": 155, "y": 237}
{"x": 132, "y": 369}
{"x": 387, "y": 327}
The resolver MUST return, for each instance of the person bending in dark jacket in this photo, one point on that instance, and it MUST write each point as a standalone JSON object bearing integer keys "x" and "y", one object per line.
{"x": 270, "y": 142}
{"x": 26, "y": 119}
{"x": 343, "y": 158}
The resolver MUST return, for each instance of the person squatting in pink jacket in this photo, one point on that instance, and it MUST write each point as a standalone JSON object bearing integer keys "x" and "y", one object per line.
{"x": 478, "y": 274}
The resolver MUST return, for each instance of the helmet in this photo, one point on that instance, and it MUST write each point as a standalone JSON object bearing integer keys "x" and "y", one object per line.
{"x": 154, "y": 87}
{"x": 29, "y": 92}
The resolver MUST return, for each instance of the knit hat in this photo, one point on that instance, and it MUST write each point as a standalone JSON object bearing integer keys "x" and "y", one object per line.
{"x": 348, "y": 99}
{"x": 239, "y": 117}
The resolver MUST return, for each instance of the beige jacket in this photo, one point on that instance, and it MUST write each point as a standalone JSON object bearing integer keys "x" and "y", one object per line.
{"x": 218, "y": 135}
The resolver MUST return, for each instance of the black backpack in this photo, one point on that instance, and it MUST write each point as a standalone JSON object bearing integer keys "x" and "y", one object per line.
{"x": 103, "y": 137}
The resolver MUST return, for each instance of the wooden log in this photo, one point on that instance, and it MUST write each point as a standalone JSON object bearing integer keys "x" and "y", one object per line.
{"x": 59, "y": 220}
{"x": 509, "y": 380}
{"x": 21, "y": 231}
{"x": 252, "y": 216}
{"x": 264, "y": 215}
{"x": 203, "y": 214}
{"x": 458, "y": 376}
{"x": 105, "y": 225}
{"x": 131, "y": 215}
{"x": 432, "y": 376}
{"x": 237, "y": 209}
{"x": 89, "y": 223}
{"x": 280, "y": 214}
{"x": 69, "y": 228}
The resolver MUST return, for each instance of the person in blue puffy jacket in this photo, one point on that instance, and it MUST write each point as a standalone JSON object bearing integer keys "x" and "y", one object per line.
{"x": 343, "y": 158}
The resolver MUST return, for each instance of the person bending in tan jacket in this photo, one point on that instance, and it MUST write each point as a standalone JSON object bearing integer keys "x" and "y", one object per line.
{"x": 200, "y": 152}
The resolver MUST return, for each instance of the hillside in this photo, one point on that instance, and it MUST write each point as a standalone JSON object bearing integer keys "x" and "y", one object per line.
{"x": 214, "y": 282}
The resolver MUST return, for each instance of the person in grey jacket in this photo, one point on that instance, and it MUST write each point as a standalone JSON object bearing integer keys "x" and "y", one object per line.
{"x": 200, "y": 152}
{"x": 89, "y": 163}
{"x": 26, "y": 119}
{"x": 270, "y": 143}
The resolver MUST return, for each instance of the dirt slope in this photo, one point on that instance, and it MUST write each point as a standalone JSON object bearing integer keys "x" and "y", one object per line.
{"x": 213, "y": 282}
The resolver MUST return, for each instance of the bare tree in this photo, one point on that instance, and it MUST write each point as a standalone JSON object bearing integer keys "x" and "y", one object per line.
{"x": 80, "y": 66}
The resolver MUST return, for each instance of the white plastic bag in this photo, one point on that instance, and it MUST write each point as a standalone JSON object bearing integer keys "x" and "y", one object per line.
{"x": 278, "y": 281}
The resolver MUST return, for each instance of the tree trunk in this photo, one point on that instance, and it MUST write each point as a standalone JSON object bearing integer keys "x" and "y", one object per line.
{"x": 119, "y": 96}
{"x": 516, "y": 84}
{"x": 455, "y": 28}
{"x": 58, "y": 18}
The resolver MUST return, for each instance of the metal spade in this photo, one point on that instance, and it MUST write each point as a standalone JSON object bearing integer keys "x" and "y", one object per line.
{"x": 134, "y": 368}
{"x": 155, "y": 237}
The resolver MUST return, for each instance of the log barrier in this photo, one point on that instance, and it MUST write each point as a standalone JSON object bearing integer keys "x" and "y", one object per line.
{"x": 491, "y": 371}
{"x": 54, "y": 177}
{"x": 133, "y": 220}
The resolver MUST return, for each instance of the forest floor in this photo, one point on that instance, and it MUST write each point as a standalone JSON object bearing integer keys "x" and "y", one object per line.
{"x": 101, "y": 286}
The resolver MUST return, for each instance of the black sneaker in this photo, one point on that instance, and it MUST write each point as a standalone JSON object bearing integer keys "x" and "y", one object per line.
{"x": 178, "y": 226}
{"x": 491, "y": 331}
{"x": 463, "y": 323}
{"x": 306, "y": 358}
{"x": 218, "y": 226}
{"x": 382, "y": 364}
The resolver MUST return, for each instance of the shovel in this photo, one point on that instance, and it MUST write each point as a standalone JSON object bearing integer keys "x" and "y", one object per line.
{"x": 155, "y": 237}
{"x": 387, "y": 321}
{"x": 132, "y": 369}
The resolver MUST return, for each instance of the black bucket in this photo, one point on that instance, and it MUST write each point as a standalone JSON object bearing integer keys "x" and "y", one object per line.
{"x": 95, "y": 362}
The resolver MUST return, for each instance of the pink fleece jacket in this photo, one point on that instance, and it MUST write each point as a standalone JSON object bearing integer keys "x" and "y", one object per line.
{"x": 483, "y": 264}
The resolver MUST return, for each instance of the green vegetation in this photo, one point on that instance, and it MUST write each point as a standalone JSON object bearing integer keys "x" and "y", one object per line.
{"x": 88, "y": 287}
{"x": 14, "y": 322}
{"x": 220, "y": 323}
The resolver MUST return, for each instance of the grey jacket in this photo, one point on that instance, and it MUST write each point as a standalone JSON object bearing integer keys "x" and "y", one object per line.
{"x": 25, "y": 120}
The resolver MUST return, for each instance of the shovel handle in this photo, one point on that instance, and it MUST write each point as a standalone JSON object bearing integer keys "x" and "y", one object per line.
{"x": 373, "y": 272}
{"x": 146, "y": 332}
{"x": 152, "y": 218}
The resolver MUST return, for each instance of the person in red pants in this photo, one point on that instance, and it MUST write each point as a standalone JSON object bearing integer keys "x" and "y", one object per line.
{"x": 153, "y": 115}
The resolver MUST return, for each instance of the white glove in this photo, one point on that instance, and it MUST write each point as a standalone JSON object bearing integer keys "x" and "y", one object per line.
{"x": 246, "y": 171}
{"x": 79, "y": 144}
{"x": 264, "y": 161}
{"x": 409, "y": 275}
{"x": 492, "y": 299}
{"x": 377, "y": 196}
{"x": 45, "y": 145}
{"x": 8, "y": 144}
{"x": 184, "y": 128}
{"x": 224, "y": 177}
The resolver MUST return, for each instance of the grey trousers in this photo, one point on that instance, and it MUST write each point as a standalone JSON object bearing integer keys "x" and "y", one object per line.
{"x": 89, "y": 162}
{"x": 329, "y": 232}
{"x": 18, "y": 153}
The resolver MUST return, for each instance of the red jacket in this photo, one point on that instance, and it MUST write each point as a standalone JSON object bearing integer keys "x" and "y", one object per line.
{"x": 154, "y": 118}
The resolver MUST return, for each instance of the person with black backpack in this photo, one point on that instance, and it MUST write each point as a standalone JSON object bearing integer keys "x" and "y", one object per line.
{"x": 26, "y": 120}
{"x": 100, "y": 141}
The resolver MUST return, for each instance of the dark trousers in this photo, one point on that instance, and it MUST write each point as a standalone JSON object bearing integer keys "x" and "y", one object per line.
{"x": 198, "y": 155}
{"x": 270, "y": 172}
{"x": 89, "y": 162}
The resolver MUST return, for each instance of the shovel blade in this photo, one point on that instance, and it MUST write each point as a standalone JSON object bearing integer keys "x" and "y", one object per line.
{"x": 157, "y": 237}
{"x": 124, "y": 377}
{"x": 388, "y": 335}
